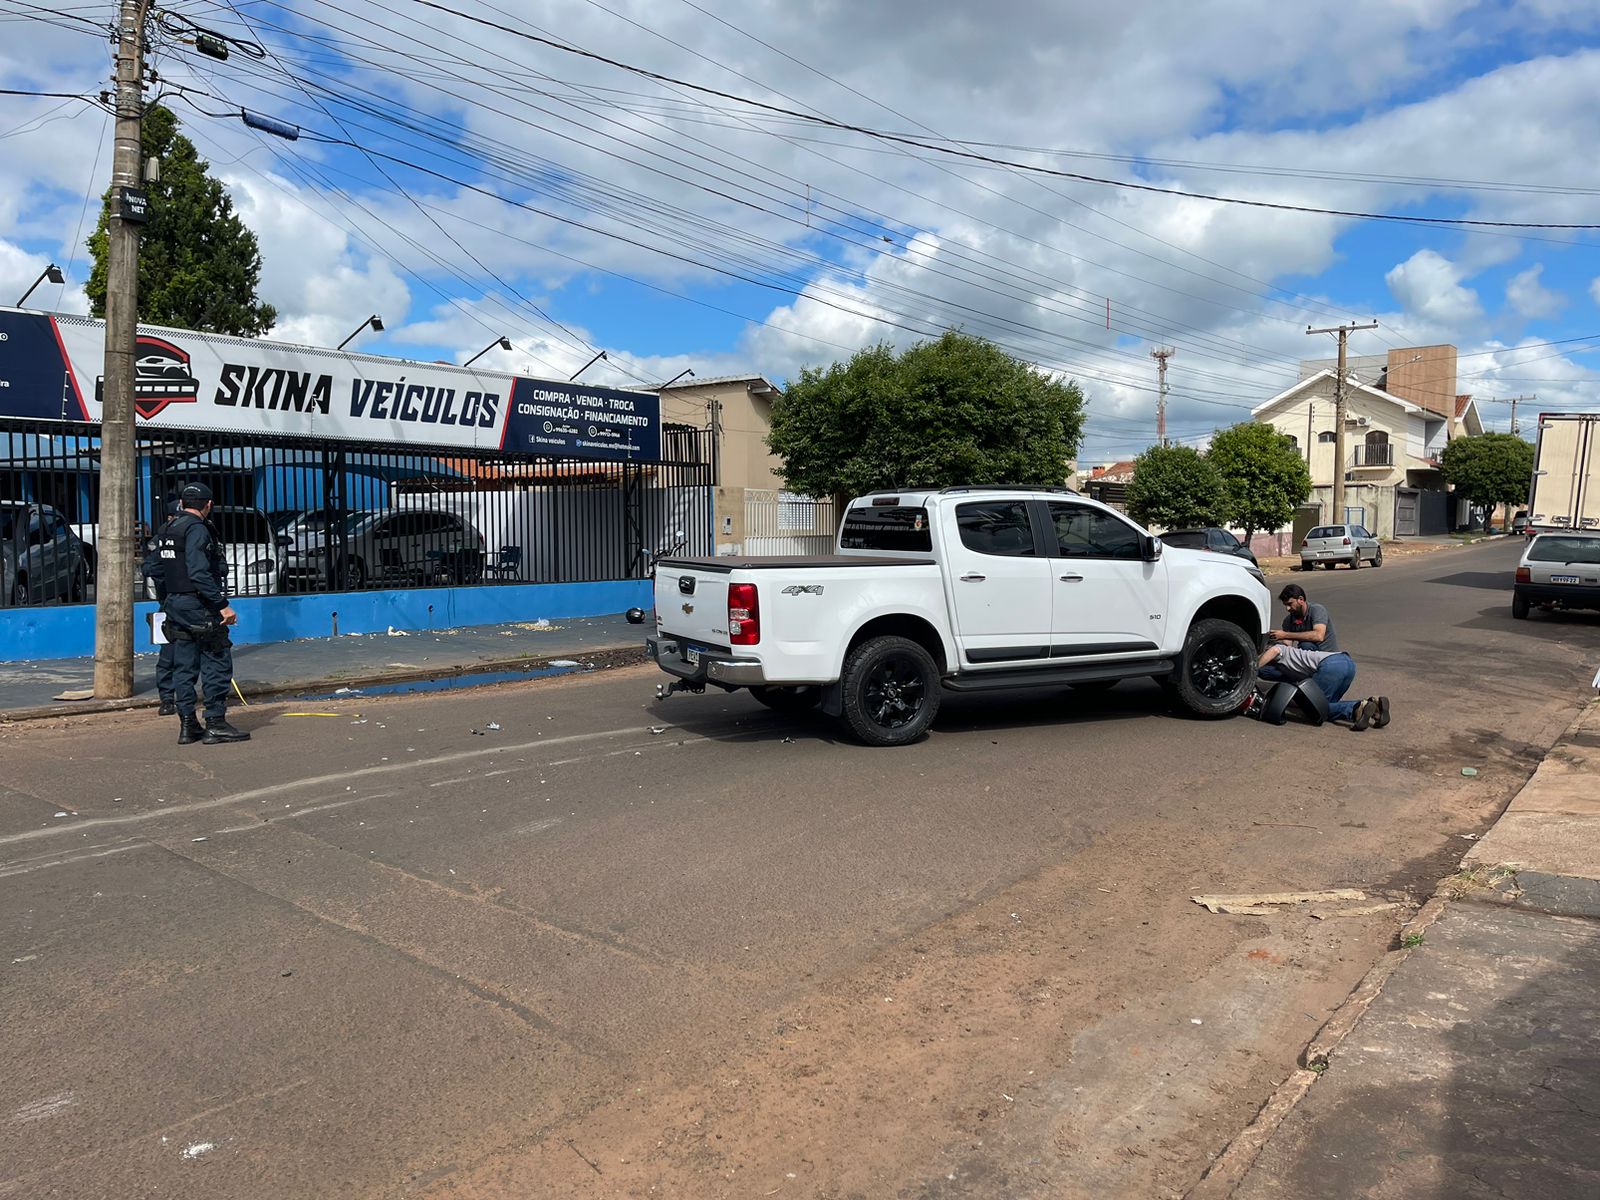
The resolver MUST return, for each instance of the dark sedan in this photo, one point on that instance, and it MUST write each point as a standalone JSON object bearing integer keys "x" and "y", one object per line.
{"x": 1218, "y": 541}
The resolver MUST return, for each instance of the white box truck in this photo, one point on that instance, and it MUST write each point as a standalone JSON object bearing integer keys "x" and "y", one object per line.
{"x": 1565, "y": 492}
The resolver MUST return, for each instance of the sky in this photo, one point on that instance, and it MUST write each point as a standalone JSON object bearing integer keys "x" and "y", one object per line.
{"x": 767, "y": 186}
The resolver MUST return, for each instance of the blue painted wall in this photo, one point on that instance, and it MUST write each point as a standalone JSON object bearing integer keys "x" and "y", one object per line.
{"x": 67, "y": 631}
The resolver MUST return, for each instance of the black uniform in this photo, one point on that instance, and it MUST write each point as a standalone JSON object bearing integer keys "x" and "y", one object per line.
{"x": 167, "y": 660}
{"x": 193, "y": 570}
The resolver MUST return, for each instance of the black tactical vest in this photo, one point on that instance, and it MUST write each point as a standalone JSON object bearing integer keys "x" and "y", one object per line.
{"x": 174, "y": 563}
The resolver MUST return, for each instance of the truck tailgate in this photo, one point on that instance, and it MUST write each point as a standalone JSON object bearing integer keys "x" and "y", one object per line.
{"x": 692, "y": 602}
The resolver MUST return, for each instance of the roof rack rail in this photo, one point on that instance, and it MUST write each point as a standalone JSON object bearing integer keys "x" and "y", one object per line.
{"x": 1061, "y": 489}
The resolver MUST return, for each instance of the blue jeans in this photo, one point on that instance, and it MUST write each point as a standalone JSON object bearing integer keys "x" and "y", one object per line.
{"x": 1334, "y": 677}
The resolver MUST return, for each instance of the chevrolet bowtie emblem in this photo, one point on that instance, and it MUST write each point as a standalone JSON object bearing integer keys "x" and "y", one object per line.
{"x": 688, "y": 608}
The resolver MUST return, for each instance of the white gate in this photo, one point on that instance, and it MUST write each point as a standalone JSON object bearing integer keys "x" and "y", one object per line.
{"x": 784, "y": 523}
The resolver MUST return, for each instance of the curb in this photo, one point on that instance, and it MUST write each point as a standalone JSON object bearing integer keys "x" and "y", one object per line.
{"x": 1228, "y": 1170}
{"x": 618, "y": 655}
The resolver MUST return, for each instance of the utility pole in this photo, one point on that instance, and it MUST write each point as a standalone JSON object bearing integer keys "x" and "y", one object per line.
{"x": 114, "y": 541}
{"x": 1515, "y": 400}
{"x": 1161, "y": 355}
{"x": 1344, "y": 332}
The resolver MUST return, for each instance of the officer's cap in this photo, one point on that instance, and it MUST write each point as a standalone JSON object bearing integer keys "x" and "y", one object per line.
{"x": 195, "y": 494}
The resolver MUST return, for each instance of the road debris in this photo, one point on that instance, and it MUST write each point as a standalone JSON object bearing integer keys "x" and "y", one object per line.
{"x": 1469, "y": 772}
{"x": 393, "y": 632}
{"x": 197, "y": 1149}
{"x": 1361, "y": 910}
{"x": 1262, "y": 904}
{"x": 565, "y": 662}
{"x": 494, "y": 726}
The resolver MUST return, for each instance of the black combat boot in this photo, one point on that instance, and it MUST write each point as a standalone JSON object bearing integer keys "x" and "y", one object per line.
{"x": 167, "y": 709}
{"x": 190, "y": 730}
{"x": 219, "y": 730}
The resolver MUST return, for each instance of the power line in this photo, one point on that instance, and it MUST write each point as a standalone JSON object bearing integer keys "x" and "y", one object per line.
{"x": 886, "y": 136}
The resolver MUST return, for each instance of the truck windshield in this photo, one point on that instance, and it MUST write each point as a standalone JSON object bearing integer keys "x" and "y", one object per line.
{"x": 903, "y": 530}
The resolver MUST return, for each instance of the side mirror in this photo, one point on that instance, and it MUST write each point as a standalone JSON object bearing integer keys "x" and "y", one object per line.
{"x": 1151, "y": 549}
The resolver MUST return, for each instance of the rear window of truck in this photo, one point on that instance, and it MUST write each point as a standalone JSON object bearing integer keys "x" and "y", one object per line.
{"x": 899, "y": 530}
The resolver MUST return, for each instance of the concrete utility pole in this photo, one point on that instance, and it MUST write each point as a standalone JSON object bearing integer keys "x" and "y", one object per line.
{"x": 1161, "y": 355}
{"x": 114, "y": 540}
{"x": 1515, "y": 400}
{"x": 1344, "y": 332}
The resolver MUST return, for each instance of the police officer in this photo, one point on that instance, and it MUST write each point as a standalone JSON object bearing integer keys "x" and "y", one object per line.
{"x": 167, "y": 660}
{"x": 194, "y": 572}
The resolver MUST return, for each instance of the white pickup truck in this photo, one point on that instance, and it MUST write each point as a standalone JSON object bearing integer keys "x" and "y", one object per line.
{"x": 968, "y": 589}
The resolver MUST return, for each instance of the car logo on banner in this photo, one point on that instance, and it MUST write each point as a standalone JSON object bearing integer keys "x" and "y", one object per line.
{"x": 161, "y": 376}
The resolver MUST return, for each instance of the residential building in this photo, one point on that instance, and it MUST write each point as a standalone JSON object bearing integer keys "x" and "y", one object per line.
{"x": 752, "y": 513}
{"x": 1401, "y": 409}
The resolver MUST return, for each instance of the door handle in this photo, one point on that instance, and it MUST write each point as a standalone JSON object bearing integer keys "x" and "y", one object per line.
{"x": 973, "y": 578}
{"x": 1071, "y": 578}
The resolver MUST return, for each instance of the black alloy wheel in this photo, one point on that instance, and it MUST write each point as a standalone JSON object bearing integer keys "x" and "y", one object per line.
{"x": 890, "y": 689}
{"x": 1218, "y": 668}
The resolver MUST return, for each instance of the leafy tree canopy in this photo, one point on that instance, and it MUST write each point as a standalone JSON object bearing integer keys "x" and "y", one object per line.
{"x": 1174, "y": 487}
{"x": 954, "y": 411}
{"x": 199, "y": 265}
{"x": 1493, "y": 468}
{"x": 1264, "y": 478}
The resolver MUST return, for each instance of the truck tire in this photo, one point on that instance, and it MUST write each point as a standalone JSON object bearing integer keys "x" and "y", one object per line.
{"x": 788, "y": 699}
{"x": 889, "y": 691}
{"x": 1217, "y": 669}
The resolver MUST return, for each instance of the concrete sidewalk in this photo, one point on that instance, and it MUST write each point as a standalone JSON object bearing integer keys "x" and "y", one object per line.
{"x": 35, "y": 689}
{"x": 1470, "y": 1065}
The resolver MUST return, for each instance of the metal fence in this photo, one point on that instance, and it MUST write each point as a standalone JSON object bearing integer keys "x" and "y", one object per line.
{"x": 316, "y": 515}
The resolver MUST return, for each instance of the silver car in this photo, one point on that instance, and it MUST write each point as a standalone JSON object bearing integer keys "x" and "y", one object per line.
{"x": 41, "y": 559}
{"x": 1332, "y": 545}
{"x": 407, "y": 547}
{"x": 1558, "y": 570}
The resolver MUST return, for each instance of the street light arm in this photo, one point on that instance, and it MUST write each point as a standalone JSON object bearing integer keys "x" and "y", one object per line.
{"x": 377, "y": 327}
{"x": 503, "y": 343}
{"x": 52, "y": 273}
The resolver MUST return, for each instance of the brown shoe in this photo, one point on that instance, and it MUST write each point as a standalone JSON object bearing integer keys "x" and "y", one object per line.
{"x": 1362, "y": 717}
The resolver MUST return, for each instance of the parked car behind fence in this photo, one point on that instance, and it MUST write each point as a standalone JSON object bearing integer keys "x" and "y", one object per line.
{"x": 41, "y": 559}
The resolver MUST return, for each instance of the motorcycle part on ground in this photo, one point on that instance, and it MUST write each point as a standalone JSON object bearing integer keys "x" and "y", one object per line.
{"x": 635, "y": 616}
{"x": 1310, "y": 701}
{"x": 1279, "y": 698}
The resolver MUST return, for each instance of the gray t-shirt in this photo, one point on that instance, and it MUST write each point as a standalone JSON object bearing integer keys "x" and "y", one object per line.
{"x": 1300, "y": 664}
{"x": 1315, "y": 615}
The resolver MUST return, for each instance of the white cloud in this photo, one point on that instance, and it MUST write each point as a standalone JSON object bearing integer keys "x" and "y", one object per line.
{"x": 615, "y": 174}
{"x": 1530, "y": 298}
{"x": 1428, "y": 286}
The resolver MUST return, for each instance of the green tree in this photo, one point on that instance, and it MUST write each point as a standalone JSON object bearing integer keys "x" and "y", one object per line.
{"x": 1173, "y": 487}
{"x": 1264, "y": 478}
{"x": 953, "y": 411}
{"x": 1493, "y": 468}
{"x": 198, "y": 263}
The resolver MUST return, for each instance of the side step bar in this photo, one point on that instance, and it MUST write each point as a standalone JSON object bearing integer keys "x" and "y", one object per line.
{"x": 993, "y": 681}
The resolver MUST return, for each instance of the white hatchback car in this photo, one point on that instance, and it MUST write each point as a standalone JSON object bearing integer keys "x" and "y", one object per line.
{"x": 1558, "y": 570}
{"x": 1330, "y": 545}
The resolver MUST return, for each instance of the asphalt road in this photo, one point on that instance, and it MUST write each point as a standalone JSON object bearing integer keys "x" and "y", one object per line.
{"x": 692, "y": 948}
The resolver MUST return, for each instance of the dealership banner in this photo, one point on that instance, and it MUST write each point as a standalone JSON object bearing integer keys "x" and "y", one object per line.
{"x": 51, "y": 367}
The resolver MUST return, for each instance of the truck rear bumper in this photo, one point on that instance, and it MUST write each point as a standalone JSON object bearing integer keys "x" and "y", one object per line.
{"x": 714, "y": 666}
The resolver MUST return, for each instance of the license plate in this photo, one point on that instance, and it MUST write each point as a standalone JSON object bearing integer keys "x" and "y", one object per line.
{"x": 1563, "y": 579}
{"x": 691, "y": 655}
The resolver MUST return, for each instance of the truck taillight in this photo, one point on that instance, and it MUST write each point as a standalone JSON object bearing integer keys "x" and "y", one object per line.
{"x": 1524, "y": 575}
{"x": 744, "y": 614}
